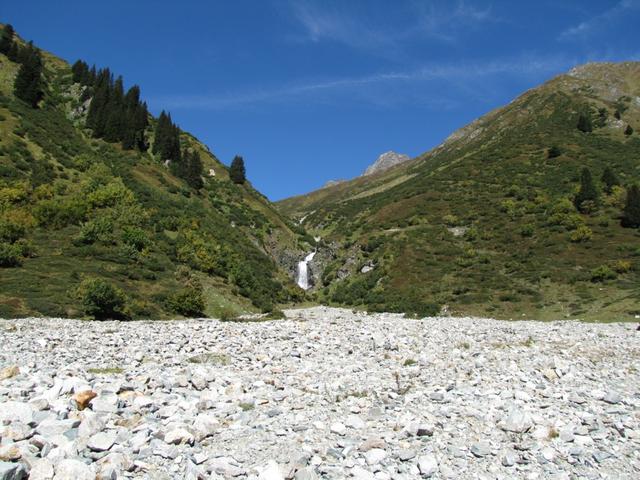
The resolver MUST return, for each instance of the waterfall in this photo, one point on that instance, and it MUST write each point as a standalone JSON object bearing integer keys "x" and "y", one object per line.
{"x": 303, "y": 271}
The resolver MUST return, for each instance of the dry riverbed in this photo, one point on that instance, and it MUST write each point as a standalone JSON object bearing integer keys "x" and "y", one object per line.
{"x": 327, "y": 393}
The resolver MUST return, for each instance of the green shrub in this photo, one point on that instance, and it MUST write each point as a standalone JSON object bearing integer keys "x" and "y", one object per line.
{"x": 99, "y": 229}
{"x": 135, "y": 237}
{"x": 101, "y": 299}
{"x": 10, "y": 232}
{"x": 602, "y": 273}
{"x": 527, "y": 230}
{"x": 581, "y": 234}
{"x": 59, "y": 212}
{"x": 10, "y": 255}
{"x": 188, "y": 302}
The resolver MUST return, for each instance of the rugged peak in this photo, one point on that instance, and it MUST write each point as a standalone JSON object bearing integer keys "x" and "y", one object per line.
{"x": 385, "y": 161}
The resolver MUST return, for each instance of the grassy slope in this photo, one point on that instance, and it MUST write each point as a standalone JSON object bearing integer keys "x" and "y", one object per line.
{"x": 494, "y": 177}
{"x": 234, "y": 222}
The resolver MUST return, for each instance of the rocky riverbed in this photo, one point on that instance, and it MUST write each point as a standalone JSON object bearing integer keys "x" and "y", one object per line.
{"x": 327, "y": 393}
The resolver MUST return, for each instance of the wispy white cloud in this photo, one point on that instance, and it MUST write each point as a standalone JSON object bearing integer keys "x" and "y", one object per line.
{"x": 446, "y": 22}
{"x": 324, "y": 21}
{"x": 430, "y": 84}
{"x": 602, "y": 20}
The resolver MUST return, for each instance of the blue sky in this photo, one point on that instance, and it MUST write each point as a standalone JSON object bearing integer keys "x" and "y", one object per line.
{"x": 313, "y": 90}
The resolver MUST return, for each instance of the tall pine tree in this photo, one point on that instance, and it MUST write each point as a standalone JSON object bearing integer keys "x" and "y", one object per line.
{"x": 237, "y": 171}
{"x": 193, "y": 169}
{"x": 6, "y": 40}
{"x": 609, "y": 179}
{"x": 584, "y": 123}
{"x": 28, "y": 85}
{"x": 115, "y": 121}
{"x": 166, "y": 143}
{"x": 631, "y": 212}
{"x": 587, "y": 192}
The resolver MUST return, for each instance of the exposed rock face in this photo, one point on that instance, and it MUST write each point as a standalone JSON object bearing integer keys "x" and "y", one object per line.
{"x": 331, "y": 183}
{"x": 386, "y": 161}
{"x": 327, "y": 393}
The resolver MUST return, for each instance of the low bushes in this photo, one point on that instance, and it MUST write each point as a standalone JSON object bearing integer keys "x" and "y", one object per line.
{"x": 102, "y": 300}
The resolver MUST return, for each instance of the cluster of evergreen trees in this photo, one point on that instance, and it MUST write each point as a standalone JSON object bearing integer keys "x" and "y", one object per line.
{"x": 113, "y": 115}
{"x": 28, "y": 86}
{"x": 166, "y": 145}
{"x": 587, "y": 197}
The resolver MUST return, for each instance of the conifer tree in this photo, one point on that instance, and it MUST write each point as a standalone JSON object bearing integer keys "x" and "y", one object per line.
{"x": 584, "y": 123}
{"x": 628, "y": 131}
{"x": 237, "y": 170}
{"x": 587, "y": 192}
{"x": 14, "y": 52}
{"x": 6, "y": 40}
{"x": 115, "y": 125}
{"x": 631, "y": 212}
{"x": 98, "y": 113}
{"x": 193, "y": 169}
{"x": 28, "y": 85}
{"x": 609, "y": 179}
{"x": 166, "y": 143}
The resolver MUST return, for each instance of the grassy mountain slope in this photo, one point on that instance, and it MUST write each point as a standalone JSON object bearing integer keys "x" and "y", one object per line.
{"x": 484, "y": 223}
{"x": 73, "y": 207}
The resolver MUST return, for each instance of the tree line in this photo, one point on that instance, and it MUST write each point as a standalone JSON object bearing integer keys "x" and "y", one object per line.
{"x": 29, "y": 84}
{"x": 113, "y": 115}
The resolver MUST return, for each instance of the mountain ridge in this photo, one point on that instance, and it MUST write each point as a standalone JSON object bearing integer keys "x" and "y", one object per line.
{"x": 502, "y": 183}
{"x": 79, "y": 214}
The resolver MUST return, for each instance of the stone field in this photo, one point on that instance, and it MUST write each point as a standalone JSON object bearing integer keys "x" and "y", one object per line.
{"x": 325, "y": 394}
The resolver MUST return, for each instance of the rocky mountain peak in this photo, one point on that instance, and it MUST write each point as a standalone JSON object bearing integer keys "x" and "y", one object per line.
{"x": 385, "y": 161}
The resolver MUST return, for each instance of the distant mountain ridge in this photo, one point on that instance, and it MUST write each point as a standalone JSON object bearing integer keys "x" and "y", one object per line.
{"x": 385, "y": 161}
{"x": 486, "y": 223}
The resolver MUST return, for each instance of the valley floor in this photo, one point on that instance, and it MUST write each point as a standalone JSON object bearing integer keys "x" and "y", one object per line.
{"x": 327, "y": 393}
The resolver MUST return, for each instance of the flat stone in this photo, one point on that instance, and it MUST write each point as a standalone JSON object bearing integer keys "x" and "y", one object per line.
{"x": 41, "y": 469}
{"x": 307, "y": 473}
{"x": 518, "y": 421}
{"x": 83, "y": 398}
{"x": 16, "y": 411}
{"x": 405, "y": 455}
{"x": 179, "y": 436}
{"x": 10, "y": 453}
{"x": 102, "y": 441}
{"x": 375, "y": 456}
{"x": 9, "y": 372}
{"x": 612, "y": 398}
{"x": 427, "y": 465}
{"x": 338, "y": 428}
{"x": 271, "y": 471}
{"x": 71, "y": 469}
{"x": 481, "y": 449}
{"x": 373, "y": 442}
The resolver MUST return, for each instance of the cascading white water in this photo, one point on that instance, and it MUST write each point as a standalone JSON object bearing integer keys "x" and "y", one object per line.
{"x": 303, "y": 271}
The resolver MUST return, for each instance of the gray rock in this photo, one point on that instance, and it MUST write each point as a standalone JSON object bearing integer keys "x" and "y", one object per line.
{"x": 509, "y": 459}
{"x": 518, "y": 421}
{"x": 16, "y": 411}
{"x": 375, "y": 456}
{"x": 71, "y": 469}
{"x": 12, "y": 471}
{"x": 41, "y": 469}
{"x": 427, "y": 465}
{"x": 612, "y": 398}
{"x": 307, "y": 473}
{"x": 481, "y": 449}
{"x": 102, "y": 441}
{"x": 405, "y": 455}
